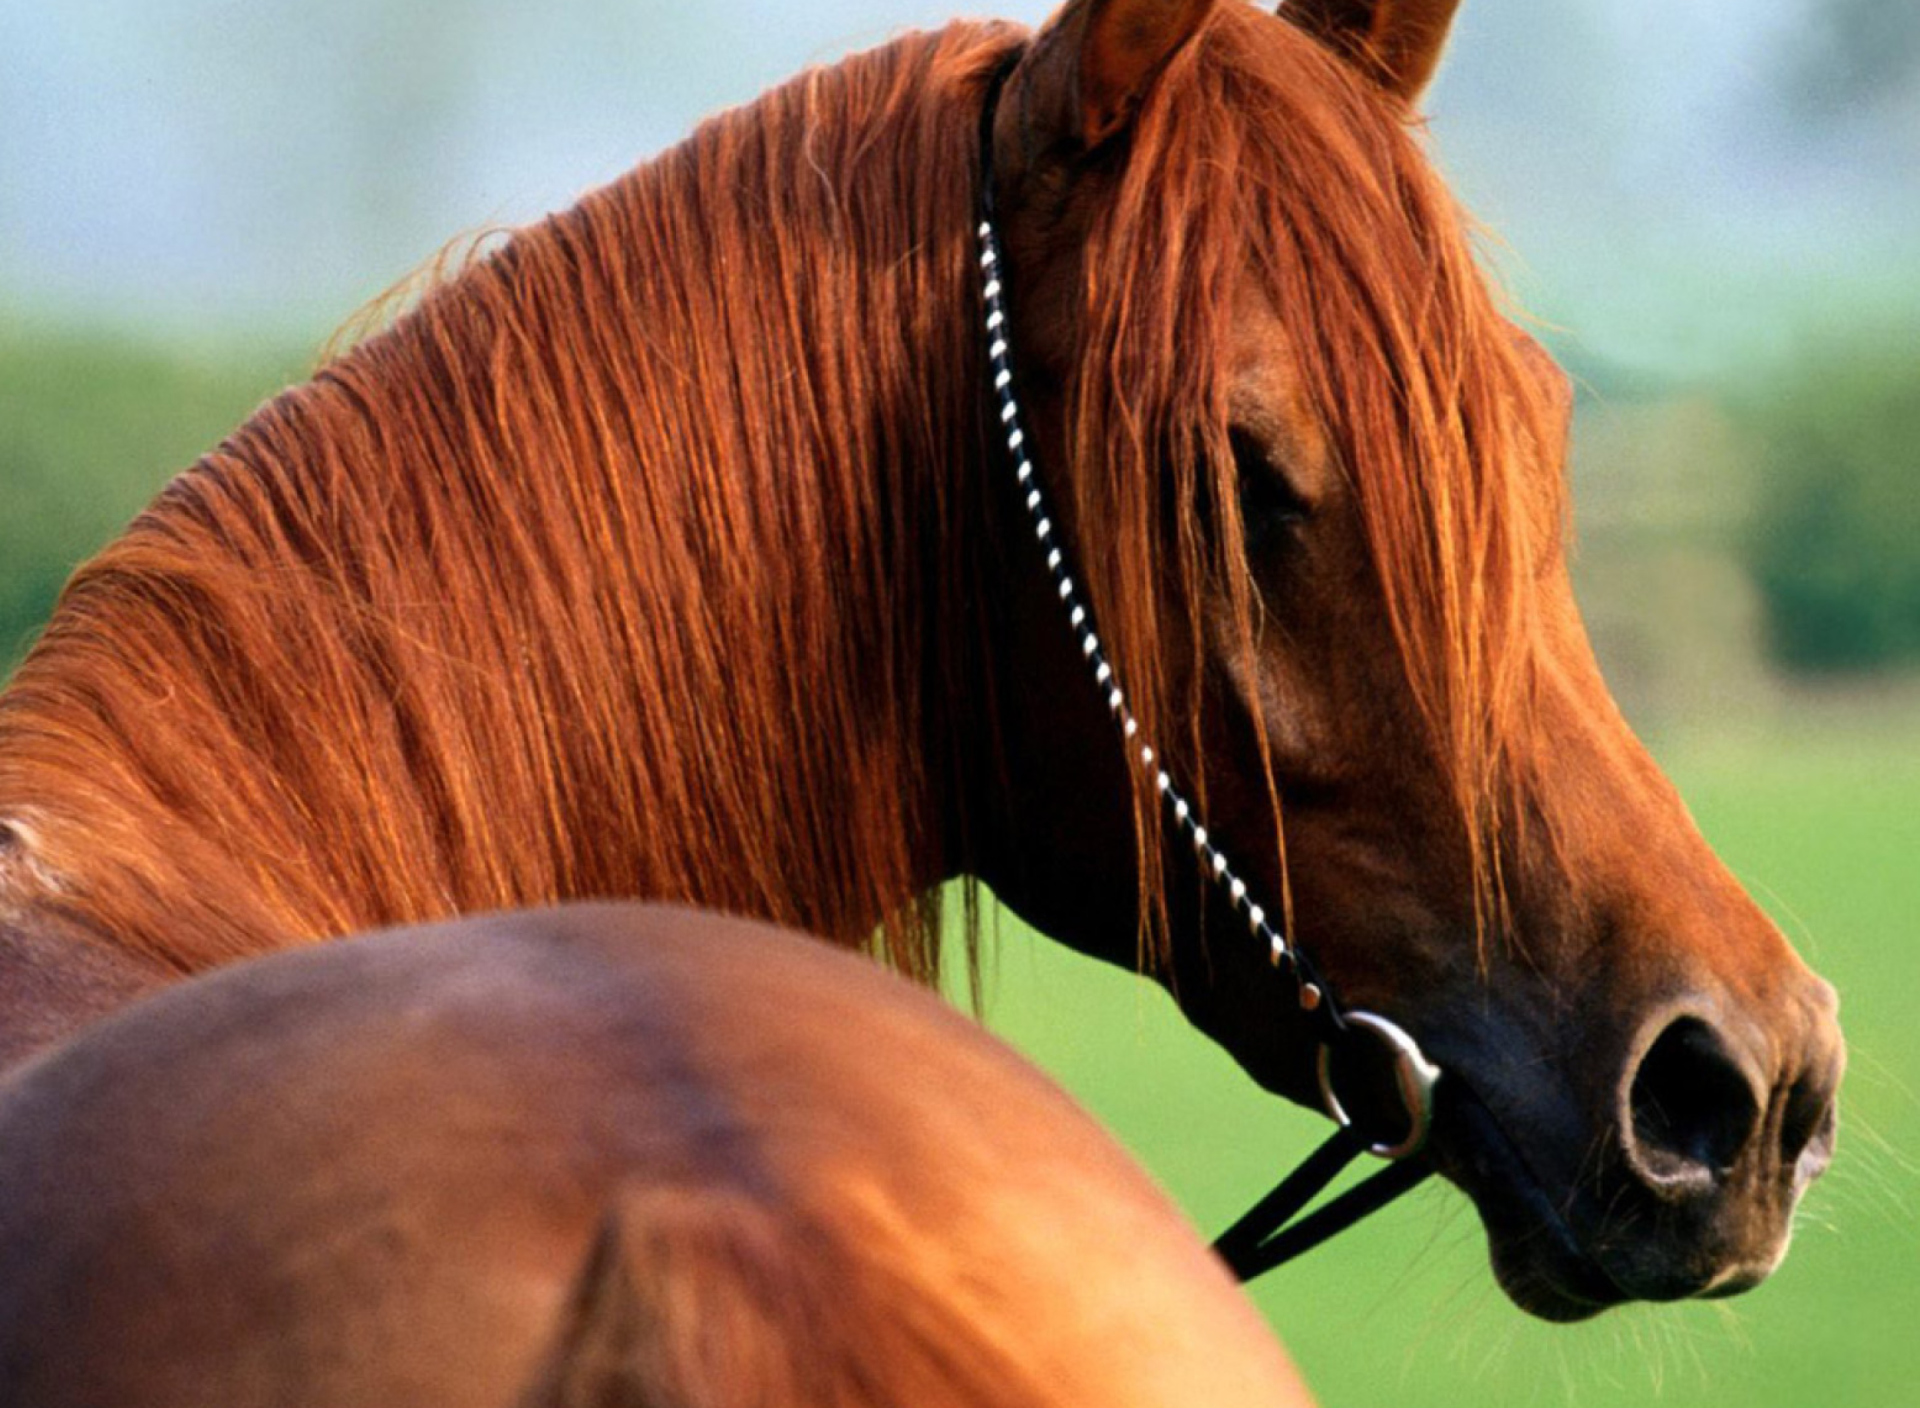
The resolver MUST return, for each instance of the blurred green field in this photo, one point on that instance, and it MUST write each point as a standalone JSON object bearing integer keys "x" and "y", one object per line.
{"x": 1824, "y": 825}
{"x": 1816, "y": 804}
{"x": 91, "y": 425}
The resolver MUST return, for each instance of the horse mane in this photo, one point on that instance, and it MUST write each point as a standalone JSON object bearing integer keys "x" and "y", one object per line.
{"x": 1259, "y": 142}
{"x": 603, "y": 571}
{"x": 642, "y": 557}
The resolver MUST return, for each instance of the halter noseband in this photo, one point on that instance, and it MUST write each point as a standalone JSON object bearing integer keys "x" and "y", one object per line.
{"x": 1267, "y": 1234}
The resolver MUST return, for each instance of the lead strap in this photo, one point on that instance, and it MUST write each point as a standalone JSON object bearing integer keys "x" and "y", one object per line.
{"x": 1278, "y": 1228}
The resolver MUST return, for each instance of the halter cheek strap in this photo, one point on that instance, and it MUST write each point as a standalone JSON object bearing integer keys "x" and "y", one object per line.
{"x": 1347, "y": 1043}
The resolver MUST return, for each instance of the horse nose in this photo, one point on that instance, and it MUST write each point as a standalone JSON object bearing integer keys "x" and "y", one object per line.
{"x": 1698, "y": 1099}
{"x": 1692, "y": 1106}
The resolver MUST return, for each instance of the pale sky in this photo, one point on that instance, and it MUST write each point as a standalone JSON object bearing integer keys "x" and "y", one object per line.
{"x": 214, "y": 164}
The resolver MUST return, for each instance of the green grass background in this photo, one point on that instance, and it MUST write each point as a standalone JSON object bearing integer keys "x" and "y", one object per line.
{"x": 1818, "y": 810}
{"x": 92, "y": 423}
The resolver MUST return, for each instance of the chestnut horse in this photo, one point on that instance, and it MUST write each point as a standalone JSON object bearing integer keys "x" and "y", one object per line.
{"x": 666, "y": 552}
{"x": 602, "y": 1155}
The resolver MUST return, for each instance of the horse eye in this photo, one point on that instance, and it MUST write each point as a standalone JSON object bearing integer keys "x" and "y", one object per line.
{"x": 1269, "y": 508}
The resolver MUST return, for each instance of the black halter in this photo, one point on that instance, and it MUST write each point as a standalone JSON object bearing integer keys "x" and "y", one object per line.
{"x": 1346, "y": 1041}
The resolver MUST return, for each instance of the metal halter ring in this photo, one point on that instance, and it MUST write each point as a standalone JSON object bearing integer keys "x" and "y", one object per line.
{"x": 1413, "y": 1075}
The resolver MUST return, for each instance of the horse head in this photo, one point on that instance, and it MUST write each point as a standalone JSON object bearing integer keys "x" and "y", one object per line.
{"x": 1312, "y": 480}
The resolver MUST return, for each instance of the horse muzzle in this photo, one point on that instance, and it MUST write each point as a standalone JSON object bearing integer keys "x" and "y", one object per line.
{"x": 1678, "y": 1180}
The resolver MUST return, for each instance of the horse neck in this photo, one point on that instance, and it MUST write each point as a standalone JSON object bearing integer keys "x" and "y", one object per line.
{"x": 618, "y": 567}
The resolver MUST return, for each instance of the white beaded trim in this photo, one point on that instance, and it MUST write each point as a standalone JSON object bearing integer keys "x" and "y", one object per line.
{"x": 1212, "y": 859}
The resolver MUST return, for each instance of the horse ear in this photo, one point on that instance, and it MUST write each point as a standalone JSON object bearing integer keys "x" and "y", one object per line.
{"x": 1112, "y": 51}
{"x": 1396, "y": 43}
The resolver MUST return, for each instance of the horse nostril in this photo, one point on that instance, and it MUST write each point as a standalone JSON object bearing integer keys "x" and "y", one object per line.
{"x": 1691, "y": 1109}
{"x": 1809, "y": 1126}
{"x": 1811, "y": 1118}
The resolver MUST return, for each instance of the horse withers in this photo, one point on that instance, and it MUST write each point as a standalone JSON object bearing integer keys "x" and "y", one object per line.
{"x": 673, "y": 550}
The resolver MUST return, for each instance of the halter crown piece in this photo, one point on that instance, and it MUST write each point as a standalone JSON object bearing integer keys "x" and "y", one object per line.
{"x": 1268, "y": 1233}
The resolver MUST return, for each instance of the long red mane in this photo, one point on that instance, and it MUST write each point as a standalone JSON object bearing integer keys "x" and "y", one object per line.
{"x": 577, "y": 581}
{"x": 601, "y": 573}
